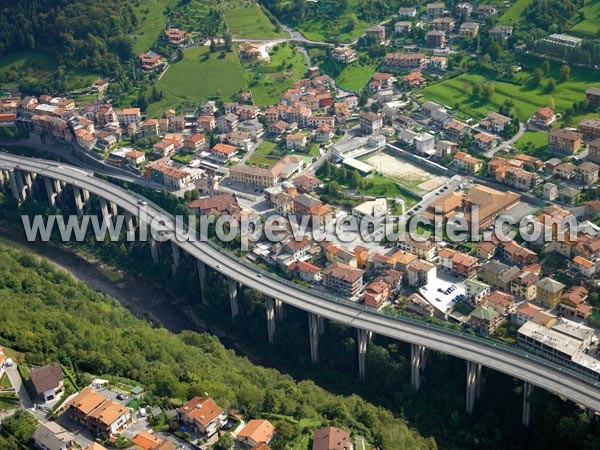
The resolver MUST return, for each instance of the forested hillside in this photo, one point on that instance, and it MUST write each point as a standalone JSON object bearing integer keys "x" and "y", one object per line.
{"x": 83, "y": 33}
{"x": 47, "y": 315}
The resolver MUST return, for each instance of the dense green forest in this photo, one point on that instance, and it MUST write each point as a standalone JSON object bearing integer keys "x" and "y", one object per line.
{"x": 47, "y": 315}
{"x": 85, "y": 34}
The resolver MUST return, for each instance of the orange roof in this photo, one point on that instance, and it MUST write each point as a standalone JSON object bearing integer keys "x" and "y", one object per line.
{"x": 95, "y": 446}
{"x": 224, "y": 149}
{"x": 146, "y": 441}
{"x": 109, "y": 412}
{"x": 202, "y": 410}
{"x": 583, "y": 262}
{"x": 87, "y": 400}
{"x": 258, "y": 431}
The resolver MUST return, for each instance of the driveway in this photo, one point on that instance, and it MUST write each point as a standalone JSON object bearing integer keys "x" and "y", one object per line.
{"x": 17, "y": 383}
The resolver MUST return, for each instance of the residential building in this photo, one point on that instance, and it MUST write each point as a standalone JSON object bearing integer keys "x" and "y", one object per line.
{"x": 456, "y": 130}
{"x": 549, "y": 292}
{"x": 525, "y": 312}
{"x": 100, "y": 414}
{"x": 296, "y": 141}
{"x": 150, "y": 61}
{"x": 550, "y": 191}
{"x": 543, "y": 118}
{"x": 47, "y": 381}
{"x": 407, "y": 12}
{"x": 564, "y": 141}
{"x": 402, "y": 27}
{"x": 485, "y": 11}
{"x": 420, "y": 273}
{"x": 444, "y": 24}
{"x": 592, "y": 96}
{"x": 331, "y": 438}
{"x": 206, "y": 123}
{"x": 436, "y": 38}
{"x": 305, "y": 271}
{"x": 343, "y": 54}
{"x": 484, "y": 141}
{"x": 490, "y": 203}
{"x": 584, "y": 266}
{"x": 418, "y": 305}
{"x": 495, "y": 122}
{"x": 573, "y": 302}
{"x": 405, "y": 61}
{"x": 256, "y": 432}
{"x": 176, "y": 37}
{"x": 414, "y": 80}
{"x": 376, "y": 294}
{"x": 427, "y": 249}
{"x": 501, "y": 302}
{"x": 376, "y": 33}
{"x": 202, "y": 415}
{"x": 227, "y": 123}
{"x": 223, "y": 152}
{"x": 424, "y": 144}
{"x": 344, "y": 279}
{"x": 129, "y": 115}
{"x": 485, "y": 320}
{"x": 250, "y": 52}
{"x": 194, "y": 143}
{"x": 370, "y": 123}
{"x": 589, "y": 128}
{"x": 467, "y": 162}
{"x": 51, "y": 436}
{"x": 476, "y": 291}
{"x": 501, "y": 31}
{"x": 435, "y": 9}
{"x": 587, "y": 173}
{"x": 468, "y": 30}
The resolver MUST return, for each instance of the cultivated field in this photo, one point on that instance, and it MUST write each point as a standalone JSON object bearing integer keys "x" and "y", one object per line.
{"x": 526, "y": 97}
{"x": 199, "y": 75}
{"x": 248, "y": 20}
{"x": 590, "y": 26}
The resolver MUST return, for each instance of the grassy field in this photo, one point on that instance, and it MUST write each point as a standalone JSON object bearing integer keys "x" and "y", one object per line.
{"x": 539, "y": 139}
{"x": 590, "y": 26}
{"x": 526, "y": 97}
{"x": 198, "y": 76}
{"x": 152, "y": 16}
{"x": 515, "y": 13}
{"x": 248, "y": 20}
{"x": 260, "y": 157}
{"x": 382, "y": 186}
{"x": 269, "y": 81}
{"x": 5, "y": 382}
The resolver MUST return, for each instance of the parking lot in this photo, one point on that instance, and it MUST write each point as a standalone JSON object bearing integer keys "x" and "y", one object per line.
{"x": 443, "y": 291}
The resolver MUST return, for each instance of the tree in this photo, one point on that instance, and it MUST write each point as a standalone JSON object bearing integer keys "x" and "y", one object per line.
{"x": 565, "y": 72}
{"x": 551, "y": 84}
{"x": 538, "y": 75}
{"x": 213, "y": 46}
{"x": 142, "y": 103}
{"x": 228, "y": 38}
{"x": 225, "y": 442}
{"x": 545, "y": 67}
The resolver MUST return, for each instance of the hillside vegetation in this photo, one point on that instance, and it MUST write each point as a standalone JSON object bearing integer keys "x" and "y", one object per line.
{"x": 47, "y": 315}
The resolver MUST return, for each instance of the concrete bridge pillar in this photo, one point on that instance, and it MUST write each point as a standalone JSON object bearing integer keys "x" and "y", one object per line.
{"x": 313, "y": 333}
{"x": 4, "y": 176}
{"x": 78, "y": 200}
{"x": 50, "y": 191}
{"x": 129, "y": 223}
{"x": 417, "y": 353}
{"x": 18, "y": 186}
{"x": 271, "y": 327}
{"x": 154, "y": 250}
{"x": 202, "y": 277}
{"x": 527, "y": 391}
{"x": 104, "y": 209}
{"x": 363, "y": 340}
{"x": 176, "y": 257}
{"x": 58, "y": 187}
{"x": 279, "y": 310}
{"x": 86, "y": 195}
{"x": 473, "y": 385}
{"x": 114, "y": 209}
{"x": 233, "y": 298}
